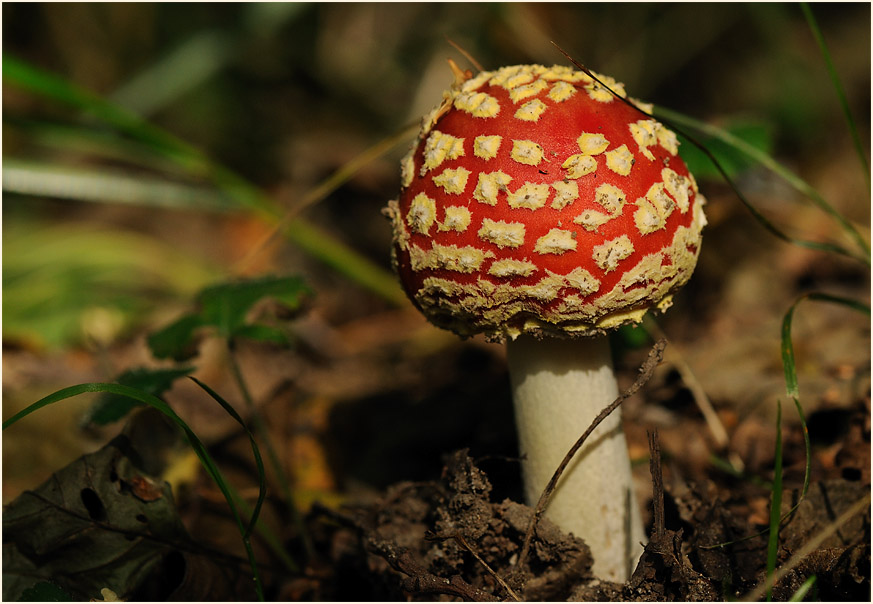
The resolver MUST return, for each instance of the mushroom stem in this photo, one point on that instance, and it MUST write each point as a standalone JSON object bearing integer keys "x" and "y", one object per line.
{"x": 558, "y": 388}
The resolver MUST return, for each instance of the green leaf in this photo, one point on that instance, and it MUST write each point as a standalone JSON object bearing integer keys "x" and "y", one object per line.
{"x": 178, "y": 340}
{"x": 263, "y": 333}
{"x": 112, "y": 407}
{"x": 756, "y": 135}
{"x": 226, "y": 306}
{"x": 45, "y": 592}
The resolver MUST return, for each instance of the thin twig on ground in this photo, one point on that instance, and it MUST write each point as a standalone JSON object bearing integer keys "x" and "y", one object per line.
{"x": 463, "y": 543}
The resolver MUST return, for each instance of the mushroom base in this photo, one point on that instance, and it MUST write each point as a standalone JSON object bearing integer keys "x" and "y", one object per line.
{"x": 559, "y": 387}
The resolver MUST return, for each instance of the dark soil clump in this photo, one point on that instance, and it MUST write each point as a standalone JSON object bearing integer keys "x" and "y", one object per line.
{"x": 446, "y": 539}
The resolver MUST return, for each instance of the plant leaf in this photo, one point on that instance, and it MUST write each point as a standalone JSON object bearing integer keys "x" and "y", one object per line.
{"x": 226, "y": 305}
{"x": 755, "y": 135}
{"x": 111, "y": 407}
{"x": 226, "y": 308}
{"x": 178, "y": 340}
{"x": 45, "y": 592}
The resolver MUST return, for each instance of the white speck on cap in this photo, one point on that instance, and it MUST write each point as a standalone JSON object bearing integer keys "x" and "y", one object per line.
{"x": 526, "y": 152}
{"x": 486, "y": 147}
{"x": 556, "y": 241}
{"x": 566, "y": 192}
{"x": 457, "y": 219}
{"x": 529, "y": 196}
{"x": 592, "y": 143}
{"x": 439, "y": 147}
{"x": 422, "y": 213}
{"x": 452, "y": 180}
{"x": 608, "y": 254}
{"x": 490, "y": 185}
{"x": 502, "y": 234}
{"x": 620, "y": 160}
{"x": 579, "y": 165}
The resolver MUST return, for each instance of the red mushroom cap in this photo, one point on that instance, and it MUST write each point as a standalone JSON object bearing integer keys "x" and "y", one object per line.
{"x": 534, "y": 201}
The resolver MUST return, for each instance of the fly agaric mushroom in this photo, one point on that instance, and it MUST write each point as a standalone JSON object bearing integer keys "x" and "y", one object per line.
{"x": 542, "y": 211}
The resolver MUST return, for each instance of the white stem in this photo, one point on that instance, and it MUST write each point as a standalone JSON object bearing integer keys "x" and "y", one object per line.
{"x": 558, "y": 388}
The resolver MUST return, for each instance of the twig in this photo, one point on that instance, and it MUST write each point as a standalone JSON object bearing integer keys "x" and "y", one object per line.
{"x": 660, "y": 529}
{"x": 713, "y": 422}
{"x": 463, "y": 543}
{"x": 466, "y": 54}
{"x": 656, "y": 354}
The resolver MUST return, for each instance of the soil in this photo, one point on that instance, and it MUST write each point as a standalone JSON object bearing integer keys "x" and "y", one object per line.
{"x": 431, "y": 540}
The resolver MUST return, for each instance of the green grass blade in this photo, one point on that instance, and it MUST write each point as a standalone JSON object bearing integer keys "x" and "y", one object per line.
{"x": 788, "y": 361}
{"x": 308, "y": 237}
{"x": 807, "y": 446}
{"x": 775, "y": 502}
{"x": 803, "y": 590}
{"x": 789, "y": 367}
{"x": 262, "y": 481}
{"x": 108, "y": 186}
{"x": 48, "y": 85}
{"x": 778, "y": 169}
{"x": 199, "y": 448}
{"x": 180, "y": 71}
{"x": 264, "y": 433}
{"x": 838, "y": 88}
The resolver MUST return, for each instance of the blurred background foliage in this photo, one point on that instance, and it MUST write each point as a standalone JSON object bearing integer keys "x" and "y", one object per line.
{"x": 286, "y": 94}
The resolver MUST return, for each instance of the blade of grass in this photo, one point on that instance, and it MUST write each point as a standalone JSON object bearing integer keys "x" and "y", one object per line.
{"x": 838, "y": 88}
{"x": 790, "y": 371}
{"x": 183, "y": 69}
{"x": 199, "y": 448}
{"x": 788, "y": 361}
{"x": 776, "y": 168}
{"x": 48, "y": 85}
{"x": 800, "y": 594}
{"x": 107, "y": 186}
{"x": 261, "y": 427}
{"x": 98, "y": 142}
{"x": 308, "y": 237}
{"x": 775, "y": 502}
{"x": 789, "y": 366}
{"x": 262, "y": 482}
